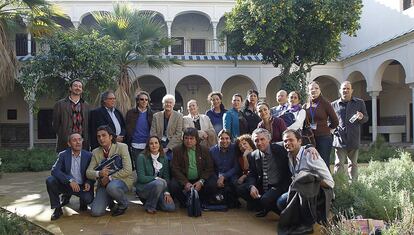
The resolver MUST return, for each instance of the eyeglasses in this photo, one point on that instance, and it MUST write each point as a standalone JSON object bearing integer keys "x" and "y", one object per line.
{"x": 143, "y": 99}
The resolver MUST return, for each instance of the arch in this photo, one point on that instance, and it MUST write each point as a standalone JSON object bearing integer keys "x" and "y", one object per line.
{"x": 329, "y": 87}
{"x": 192, "y": 12}
{"x": 380, "y": 71}
{"x": 156, "y": 99}
{"x": 272, "y": 88}
{"x": 157, "y": 13}
{"x": 236, "y": 84}
{"x": 194, "y": 87}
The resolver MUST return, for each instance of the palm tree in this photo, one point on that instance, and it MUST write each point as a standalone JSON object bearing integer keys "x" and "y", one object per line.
{"x": 143, "y": 39}
{"x": 37, "y": 16}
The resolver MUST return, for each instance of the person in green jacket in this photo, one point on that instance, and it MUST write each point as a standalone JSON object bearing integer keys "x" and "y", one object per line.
{"x": 153, "y": 175}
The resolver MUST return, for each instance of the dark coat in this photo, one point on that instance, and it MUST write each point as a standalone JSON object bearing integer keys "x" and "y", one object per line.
{"x": 307, "y": 202}
{"x": 61, "y": 168}
{"x": 255, "y": 175}
{"x": 350, "y": 137}
{"x": 145, "y": 170}
{"x": 99, "y": 117}
{"x": 62, "y": 123}
{"x": 179, "y": 163}
{"x": 131, "y": 121}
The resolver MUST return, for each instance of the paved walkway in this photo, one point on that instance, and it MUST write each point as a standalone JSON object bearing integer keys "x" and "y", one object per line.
{"x": 25, "y": 194}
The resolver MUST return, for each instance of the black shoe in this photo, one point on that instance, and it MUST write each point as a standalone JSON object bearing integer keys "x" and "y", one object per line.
{"x": 262, "y": 213}
{"x": 303, "y": 229}
{"x": 65, "y": 200}
{"x": 119, "y": 211}
{"x": 83, "y": 207}
{"x": 57, "y": 214}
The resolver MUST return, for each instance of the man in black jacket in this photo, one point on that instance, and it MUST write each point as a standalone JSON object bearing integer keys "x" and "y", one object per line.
{"x": 107, "y": 114}
{"x": 269, "y": 176}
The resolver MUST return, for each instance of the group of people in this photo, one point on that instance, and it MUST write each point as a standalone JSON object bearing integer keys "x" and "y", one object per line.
{"x": 250, "y": 151}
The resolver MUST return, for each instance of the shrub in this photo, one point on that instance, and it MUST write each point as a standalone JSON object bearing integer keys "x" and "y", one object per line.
{"x": 385, "y": 190}
{"x": 378, "y": 151}
{"x": 11, "y": 224}
{"x": 18, "y": 160}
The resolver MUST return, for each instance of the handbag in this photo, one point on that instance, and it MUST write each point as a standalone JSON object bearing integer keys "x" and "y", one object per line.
{"x": 307, "y": 134}
{"x": 114, "y": 163}
{"x": 193, "y": 204}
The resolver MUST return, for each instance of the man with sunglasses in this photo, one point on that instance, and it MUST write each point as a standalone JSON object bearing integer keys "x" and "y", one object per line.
{"x": 138, "y": 125}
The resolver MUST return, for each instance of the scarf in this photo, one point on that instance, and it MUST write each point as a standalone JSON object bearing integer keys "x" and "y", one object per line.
{"x": 155, "y": 163}
{"x": 295, "y": 108}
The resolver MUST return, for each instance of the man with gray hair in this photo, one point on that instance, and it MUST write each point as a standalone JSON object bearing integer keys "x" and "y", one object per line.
{"x": 281, "y": 97}
{"x": 168, "y": 125}
{"x": 269, "y": 176}
{"x": 352, "y": 113}
{"x": 107, "y": 114}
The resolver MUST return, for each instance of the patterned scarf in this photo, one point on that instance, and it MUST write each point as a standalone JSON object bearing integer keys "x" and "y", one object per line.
{"x": 77, "y": 117}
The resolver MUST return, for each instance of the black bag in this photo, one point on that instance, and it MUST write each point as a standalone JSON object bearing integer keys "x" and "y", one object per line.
{"x": 193, "y": 204}
{"x": 307, "y": 134}
{"x": 114, "y": 163}
{"x": 288, "y": 117}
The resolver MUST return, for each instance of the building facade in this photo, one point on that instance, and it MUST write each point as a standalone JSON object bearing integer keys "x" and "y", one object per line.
{"x": 379, "y": 62}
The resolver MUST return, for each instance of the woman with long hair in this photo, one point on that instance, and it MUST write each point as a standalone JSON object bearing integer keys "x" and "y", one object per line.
{"x": 249, "y": 110}
{"x": 322, "y": 119}
{"x": 153, "y": 175}
{"x": 217, "y": 110}
{"x": 273, "y": 124}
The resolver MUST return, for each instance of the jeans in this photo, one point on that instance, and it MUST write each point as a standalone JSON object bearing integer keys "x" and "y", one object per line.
{"x": 324, "y": 147}
{"x": 55, "y": 188}
{"x": 134, "y": 157}
{"x": 282, "y": 201}
{"x": 153, "y": 194}
{"x": 114, "y": 190}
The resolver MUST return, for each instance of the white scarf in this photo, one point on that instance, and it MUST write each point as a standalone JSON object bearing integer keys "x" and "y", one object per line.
{"x": 155, "y": 163}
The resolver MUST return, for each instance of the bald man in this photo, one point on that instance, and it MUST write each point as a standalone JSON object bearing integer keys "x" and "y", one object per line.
{"x": 281, "y": 97}
{"x": 352, "y": 113}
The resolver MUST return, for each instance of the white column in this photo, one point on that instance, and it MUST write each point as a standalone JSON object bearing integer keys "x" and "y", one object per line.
{"x": 31, "y": 127}
{"x": 374, "y": 95}
{"x": 169, "y": 24}
{"x": 76, "y": 24}
{"x": 29, "y": 43}
{"x": 215, "y": 42}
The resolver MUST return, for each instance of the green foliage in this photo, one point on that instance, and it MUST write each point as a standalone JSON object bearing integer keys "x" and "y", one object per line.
{"x": 18, "y": 160}
{"x": 11, "y": 224}
{"x": 287, "y": 32}
{"x": 384, "y": 190}
{"x": 71, "y": 55}
{"x": 380, "y": 150}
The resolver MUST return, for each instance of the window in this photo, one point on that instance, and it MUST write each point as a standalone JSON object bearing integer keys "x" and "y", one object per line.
{"x": 44, "y": 124}
{"x": 198, "y": 47}
{"x": 407, "y": 4}
{"x": 21, "y": 45}
{"x": 11, "y": 114}
{"x": 179, "y": 48}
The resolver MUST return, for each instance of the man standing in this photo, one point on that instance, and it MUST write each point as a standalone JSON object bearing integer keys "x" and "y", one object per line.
{"x": 226, "y": 167}
{"x": 107, "y": 114}
{"x": 352, "y": 113}
{"x": 138, "y": 124}
{"x": 192, "y": 166}
{"x": 281, "y": 97}
{"x": 110, "y": 187}
{"x": 69, "y": 177}
{"x": 269, "y": 176}
{"x": 70, "y": 115}
{"x": 168, "y": 125}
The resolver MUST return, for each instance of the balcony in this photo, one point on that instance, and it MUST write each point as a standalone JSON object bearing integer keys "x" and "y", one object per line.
{"x": 198, "y": 47}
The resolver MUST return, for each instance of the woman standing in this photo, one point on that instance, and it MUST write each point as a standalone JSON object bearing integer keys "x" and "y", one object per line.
{"x": 200, "y": 122}
{"x": 322, "y": 119}
{"x": 217, "y": 110}
{"x": 249, "y": 110}
{"x": 153, "y": 175}
{"x": 296, "y": 109}
{"x": 234, "y": 120}
{"x": 274, "y": 125}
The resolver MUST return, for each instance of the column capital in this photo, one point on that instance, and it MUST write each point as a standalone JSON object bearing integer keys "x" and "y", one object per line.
{"x": 411, "y": 85}
{"x": 169, "y": 23}
{"x": 214, "y": 23}
{"x": 374, "y": 94}
{"x": 76, "y": 24}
